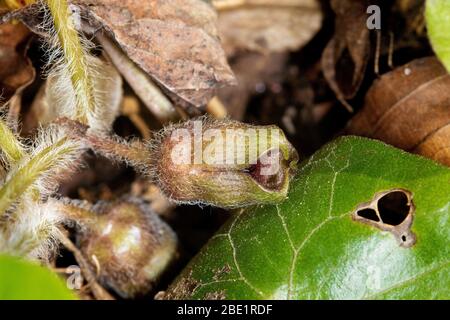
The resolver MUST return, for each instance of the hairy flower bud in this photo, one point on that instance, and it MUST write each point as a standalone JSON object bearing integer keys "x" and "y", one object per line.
{"x": 224, "y": 163}
{"x": 129, "y": 245}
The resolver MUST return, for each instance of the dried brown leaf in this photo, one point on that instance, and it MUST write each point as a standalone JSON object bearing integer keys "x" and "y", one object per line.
{"x": 16, "y": 70}
{"x": 267, "y": 25}
{"x": 149, "y": 93}
{"x": 345, "y": 58}
{"x": 410, "y": 109}
{"x": 175, "y": 42}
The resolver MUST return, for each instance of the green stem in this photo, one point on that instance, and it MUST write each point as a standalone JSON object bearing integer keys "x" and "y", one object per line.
{"x": 9, "y": 144}
{"x": 35, "y": 168}
{"x": 74, "y": 58}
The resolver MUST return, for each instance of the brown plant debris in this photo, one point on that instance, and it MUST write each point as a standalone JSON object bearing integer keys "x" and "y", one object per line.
{"x": 175, "y": 42}
{"x": 267, "y": 25}
{"x": 16, "y": 71}
{"x": 345, "y": 57}
{"x": 409, "y": 108}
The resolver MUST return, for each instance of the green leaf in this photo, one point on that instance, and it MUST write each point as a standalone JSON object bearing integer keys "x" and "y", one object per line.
{"x": 438, "y": 25}
{"x": 23, "y": 280}
{"x": 311, "y": 246}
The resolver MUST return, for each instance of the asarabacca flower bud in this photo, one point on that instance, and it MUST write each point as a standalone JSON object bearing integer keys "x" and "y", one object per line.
{"x": 224, "y": 163}
{"x": 128, "y": 245}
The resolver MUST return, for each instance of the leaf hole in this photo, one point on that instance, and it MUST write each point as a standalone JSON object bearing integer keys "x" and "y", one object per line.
{"x": 391, "y": 211}
{"x": 394, "y": 207}
{"x": 368, "y": 213}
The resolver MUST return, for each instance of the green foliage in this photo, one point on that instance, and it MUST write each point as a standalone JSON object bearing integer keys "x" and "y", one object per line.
{"x": 20, "y": 279}
{"x": 438, "y": 24}
{"x": 311, "y": 247}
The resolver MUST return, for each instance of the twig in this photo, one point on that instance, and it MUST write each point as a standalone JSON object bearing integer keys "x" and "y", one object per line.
{"x": 391, "y": 50}
{"x": 216, "y": 108}
{"x": 97, "y": 290}
{"x": 377, "y": 53}
{"x": 130, "y": 108}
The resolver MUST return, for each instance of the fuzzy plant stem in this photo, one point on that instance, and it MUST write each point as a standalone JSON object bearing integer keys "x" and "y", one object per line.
{"x": 9, "y": 144}
{"x": 25, "y": 177}
{"x": 74, "y": 212}
{"x": 75, "y": 58}
{"x": 135, "y": 153}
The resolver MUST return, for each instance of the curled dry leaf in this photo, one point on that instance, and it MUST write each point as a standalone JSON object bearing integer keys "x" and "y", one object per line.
{"x": 54, "y": 100}
{"x": 409, "y": 108}
{"x": 345, "y": 58}
{"x": 175, "y": 42}
{"x": 267, "y": 25}
{"x": 16, "y": 71}
{"x": 107, "y": 88}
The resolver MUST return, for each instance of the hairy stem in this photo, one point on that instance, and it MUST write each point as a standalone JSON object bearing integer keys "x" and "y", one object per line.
{"x": 136, "y": 153}
{"x": 74, "y": 212}
{"x": 75, "y": 58}
{"x": 25, "y": 177}
{"x": 9, "y": 144}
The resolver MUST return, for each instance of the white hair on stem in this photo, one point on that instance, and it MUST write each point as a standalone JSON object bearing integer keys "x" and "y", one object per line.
{"x": 79, "y": 85}
{"x": 12, "y": 149}
{"x": 32, "y": 231}
{"x": 52, "y": 156}
{"x": 28, "y": 222}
